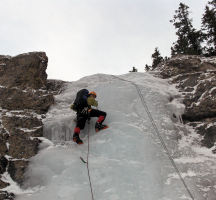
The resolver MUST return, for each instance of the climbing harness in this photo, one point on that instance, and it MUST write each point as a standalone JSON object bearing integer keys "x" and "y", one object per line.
{"x": 158, "y": 134}
{"x": 87, "y": 162}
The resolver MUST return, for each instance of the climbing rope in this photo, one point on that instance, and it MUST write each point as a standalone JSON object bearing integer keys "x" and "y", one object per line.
{"x": 158, "y": 134}
{"x": 87, "y": 163}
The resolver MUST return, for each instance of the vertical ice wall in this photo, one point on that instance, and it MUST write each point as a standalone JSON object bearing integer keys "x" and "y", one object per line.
{"x": 127, "y": 160}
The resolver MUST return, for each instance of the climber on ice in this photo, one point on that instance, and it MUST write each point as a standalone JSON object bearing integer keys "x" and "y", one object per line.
{"x": 82, "y": 105}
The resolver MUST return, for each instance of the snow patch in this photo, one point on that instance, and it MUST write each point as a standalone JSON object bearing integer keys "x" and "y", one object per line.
{"x": 8, "y": 145}
{"x": 29, "y": 130}
{"x": 14, "y": 187}
{"x": 186, "y": 160}
{"x": 177, "y": 108}
{"x": 172, "y": 176}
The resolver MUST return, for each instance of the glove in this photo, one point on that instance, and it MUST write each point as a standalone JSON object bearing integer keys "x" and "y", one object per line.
{"x": 92, "y": 102}
{"x": 72, "y": 107}
{"x": 85, "y": 111}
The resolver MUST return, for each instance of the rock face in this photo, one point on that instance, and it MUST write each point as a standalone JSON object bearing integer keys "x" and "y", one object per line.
{"x": 195, "y": 77}
{"x": 25, "y": 70}
{"x": 6, "y": 196}
{"x": 25, "y": 97}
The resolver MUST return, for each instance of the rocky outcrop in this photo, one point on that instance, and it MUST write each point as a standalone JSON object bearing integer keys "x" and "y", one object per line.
{"x": 195, "y": 77}
{"x": 23, "y": 71}
{"x": 55, "y": 86}
{"x": 16, "y": 169}
{"x": 18, "y": 99}
{"x": 3, "y": 164}
{"x": 6, "y": 196}
{"x": 25, "y": 97}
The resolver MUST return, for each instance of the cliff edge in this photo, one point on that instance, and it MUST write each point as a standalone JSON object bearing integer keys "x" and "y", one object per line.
{"x": 25, "y": 97}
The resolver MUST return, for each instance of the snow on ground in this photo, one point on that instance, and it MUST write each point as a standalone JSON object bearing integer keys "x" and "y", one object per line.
{"x": 127, "y": 160}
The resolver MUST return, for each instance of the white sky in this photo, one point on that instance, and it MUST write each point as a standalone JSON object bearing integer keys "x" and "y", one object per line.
{"x": 83, "y": 37}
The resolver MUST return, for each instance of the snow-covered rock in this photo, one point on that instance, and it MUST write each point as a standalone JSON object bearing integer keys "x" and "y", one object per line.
{"x": 26, "y": 96}
{"x": 195, "y": 77}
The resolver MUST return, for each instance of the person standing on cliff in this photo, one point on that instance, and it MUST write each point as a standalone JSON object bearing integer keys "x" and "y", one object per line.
{"x": 83, "y": 107}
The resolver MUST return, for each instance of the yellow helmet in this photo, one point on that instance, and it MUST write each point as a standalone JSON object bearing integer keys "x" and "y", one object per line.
{"x": 93, "y": 93}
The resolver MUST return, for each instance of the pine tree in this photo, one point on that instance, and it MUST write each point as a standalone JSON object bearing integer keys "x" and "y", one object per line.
{"x": 134, "y": 69}
{"x": 189, "y": 39}
{"x": 166, "y": 58}
{"x": 157, "y": 58}
{"x": 147, "y": 67}
{"x": 209, "y": 28}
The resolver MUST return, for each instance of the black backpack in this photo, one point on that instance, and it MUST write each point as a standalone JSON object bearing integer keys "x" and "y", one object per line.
{"x": 81, "y": 100}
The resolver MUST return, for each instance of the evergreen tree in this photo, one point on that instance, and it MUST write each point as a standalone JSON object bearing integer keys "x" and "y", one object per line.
{"x": 147, "y": 67}
{"x": 166, "y": 58}
{"x": 209, "y": 27}
{"x": 134, "y": 69}
{"x": 189, "y": 39}
{"x": 157, "y": 58}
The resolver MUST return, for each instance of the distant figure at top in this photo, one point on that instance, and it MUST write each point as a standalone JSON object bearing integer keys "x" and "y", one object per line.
{"x": 133, "y": 70}
{"x": 82, "y": 105}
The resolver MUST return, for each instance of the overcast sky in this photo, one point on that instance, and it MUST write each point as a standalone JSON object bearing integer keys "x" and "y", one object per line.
{"x": 84, "y": 37}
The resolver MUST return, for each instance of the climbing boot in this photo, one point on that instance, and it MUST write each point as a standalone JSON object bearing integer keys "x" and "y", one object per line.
{"x": 77, "y": 139}
{"x": 99, "y": 126}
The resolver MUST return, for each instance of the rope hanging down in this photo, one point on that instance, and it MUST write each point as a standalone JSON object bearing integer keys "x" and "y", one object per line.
{"x": 158, "y": 134}
{"x": 87, "y": 163}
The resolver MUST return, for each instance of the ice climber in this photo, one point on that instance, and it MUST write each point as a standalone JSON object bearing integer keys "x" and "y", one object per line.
{"x": 82, "y": 105}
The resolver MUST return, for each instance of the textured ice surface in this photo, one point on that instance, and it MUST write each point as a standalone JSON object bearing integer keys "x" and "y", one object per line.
{"x": 127, "y": 161}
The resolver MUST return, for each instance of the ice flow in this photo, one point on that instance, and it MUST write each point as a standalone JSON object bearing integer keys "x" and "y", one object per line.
{"x": 127, "y": 161}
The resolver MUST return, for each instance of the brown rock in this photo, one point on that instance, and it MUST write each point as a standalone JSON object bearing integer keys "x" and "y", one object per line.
{"x": 182, "y": 64}
{"x": 3, "y": 164}
{"x": 37, "y": 132}
{"x": 195, "y": 77}
{"x": 6, "y": 196}
{"x": 16, "y": 99}
{"x": 3, "y": 147}
{"x": 206, "y": 109}
{"x": 187, "y": 80}
{"x": 11, "y": 122}
{"x": 2, "y": 130}
{"x": 22, "y": 146}
{"x": 3, "y": 184}
{"x": 28, "y": 133}
{"x": 208, "y": 131}
{"x": 210, "y": 137}
{"x": 55, "y": 86}
{"x": 25, "y": 92}
{"x": 17, "y": 169}
{"x": 25, "y": 70}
